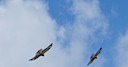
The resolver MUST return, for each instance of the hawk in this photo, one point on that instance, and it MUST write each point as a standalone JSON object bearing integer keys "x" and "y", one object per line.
{"x": 41, "y": 52}
{"x": 94, "y": 56}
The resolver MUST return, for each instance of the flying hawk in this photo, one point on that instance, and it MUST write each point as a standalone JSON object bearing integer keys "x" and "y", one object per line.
{"x": 41, "y": 52}
{"x": 94, "y": 56}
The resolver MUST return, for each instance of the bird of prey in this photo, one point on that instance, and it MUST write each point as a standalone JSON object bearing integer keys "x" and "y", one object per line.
{"x": 94, "y": 56}
{"x": 41, "y": 52}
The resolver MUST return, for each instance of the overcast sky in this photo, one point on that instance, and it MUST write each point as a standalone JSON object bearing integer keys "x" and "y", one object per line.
{"x": 77, "y": 28}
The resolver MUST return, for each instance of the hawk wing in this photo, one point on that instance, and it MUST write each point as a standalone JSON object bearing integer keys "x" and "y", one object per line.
{"x": 37, "y": 55}
{"x": 46, "y": 49}
{"x": 91, "y": 60}
{"x": 98, "y": 52}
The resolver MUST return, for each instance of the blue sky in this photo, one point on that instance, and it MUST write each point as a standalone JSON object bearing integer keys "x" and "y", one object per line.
{"x": 77, "y": 29}
{"x": 115, "y": 12}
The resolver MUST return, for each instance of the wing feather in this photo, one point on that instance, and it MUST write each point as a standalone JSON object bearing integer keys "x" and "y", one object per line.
{"x": 98, "y": 52}
{"x": 34, "y": 57}
{"x": 91, "y": 61}
{"x": 46, "y": 49}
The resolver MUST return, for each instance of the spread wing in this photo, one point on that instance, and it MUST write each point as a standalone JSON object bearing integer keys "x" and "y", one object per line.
{"x": 91, "y": 60}
{"x": 46, "y": 49}
{"x": 98, "y": 52}
{"x": 37, "y": 55}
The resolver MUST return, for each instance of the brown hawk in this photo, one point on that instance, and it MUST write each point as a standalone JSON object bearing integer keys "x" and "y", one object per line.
{"x": 94, "y": 56}
{"x": 41, "y": 52}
